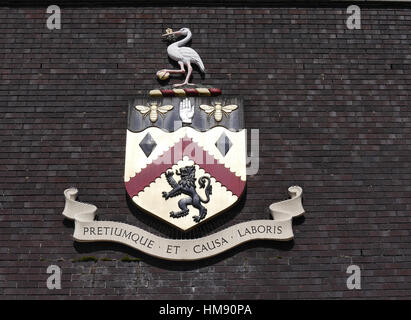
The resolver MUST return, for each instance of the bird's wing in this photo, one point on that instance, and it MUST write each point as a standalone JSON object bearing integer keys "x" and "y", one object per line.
{"x": 190, "y": 54}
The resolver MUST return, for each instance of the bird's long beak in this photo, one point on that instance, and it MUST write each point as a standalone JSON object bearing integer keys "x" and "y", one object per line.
{"x": 176, "y": 33}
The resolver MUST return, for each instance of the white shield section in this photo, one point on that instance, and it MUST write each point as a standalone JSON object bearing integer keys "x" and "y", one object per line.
{"x": 231, "y": 171}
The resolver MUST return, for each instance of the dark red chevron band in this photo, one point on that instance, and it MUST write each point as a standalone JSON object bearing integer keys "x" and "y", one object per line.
{"x": 185, "y": 147}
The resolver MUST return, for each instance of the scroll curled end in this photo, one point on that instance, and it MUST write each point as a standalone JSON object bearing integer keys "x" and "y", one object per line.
{"x": 76, "y": 210}
{"x": 288, "y": 209}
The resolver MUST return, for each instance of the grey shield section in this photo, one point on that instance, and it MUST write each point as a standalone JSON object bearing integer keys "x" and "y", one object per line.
{"x": 171, "y": 121}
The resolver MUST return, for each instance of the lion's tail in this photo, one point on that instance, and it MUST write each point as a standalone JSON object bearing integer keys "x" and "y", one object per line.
{"x": 208, "y": 188}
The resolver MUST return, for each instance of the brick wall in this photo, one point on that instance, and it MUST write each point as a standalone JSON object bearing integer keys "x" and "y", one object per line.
{"x": 332, "y": 106}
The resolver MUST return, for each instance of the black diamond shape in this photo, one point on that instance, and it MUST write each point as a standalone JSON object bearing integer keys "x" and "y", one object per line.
{"x": 223, "y": 144}
{"x": 147, "y": 144}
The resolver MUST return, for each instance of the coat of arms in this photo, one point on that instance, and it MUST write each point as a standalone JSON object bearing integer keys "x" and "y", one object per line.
{"x": 185, "y": 163}
{"x": 186, "y": 147}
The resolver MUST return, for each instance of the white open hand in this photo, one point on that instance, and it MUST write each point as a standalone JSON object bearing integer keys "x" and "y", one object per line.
{"x": 186, "y": 111}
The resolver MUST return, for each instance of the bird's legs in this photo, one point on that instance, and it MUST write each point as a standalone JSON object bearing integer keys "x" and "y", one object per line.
{"x": 190, "y": 70}
{"x": 182, "y": 70}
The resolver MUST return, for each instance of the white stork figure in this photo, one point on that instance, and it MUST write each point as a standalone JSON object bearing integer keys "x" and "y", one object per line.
{"x": 183, "y": 55}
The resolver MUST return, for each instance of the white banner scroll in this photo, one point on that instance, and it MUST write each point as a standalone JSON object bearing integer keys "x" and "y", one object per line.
{"x": 88, "y": 230}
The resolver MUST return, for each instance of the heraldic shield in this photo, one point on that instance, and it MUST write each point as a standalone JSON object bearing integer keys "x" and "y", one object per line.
{"x": 185, "y": 156}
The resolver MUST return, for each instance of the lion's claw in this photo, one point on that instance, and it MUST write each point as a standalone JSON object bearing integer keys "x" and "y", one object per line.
{"x": 178, "y": 214}
{"x": 197, "y": 219}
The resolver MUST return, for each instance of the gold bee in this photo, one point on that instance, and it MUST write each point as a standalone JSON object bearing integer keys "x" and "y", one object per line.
{"x": 154, "y": 110}
{"x": 218, "y": 109}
